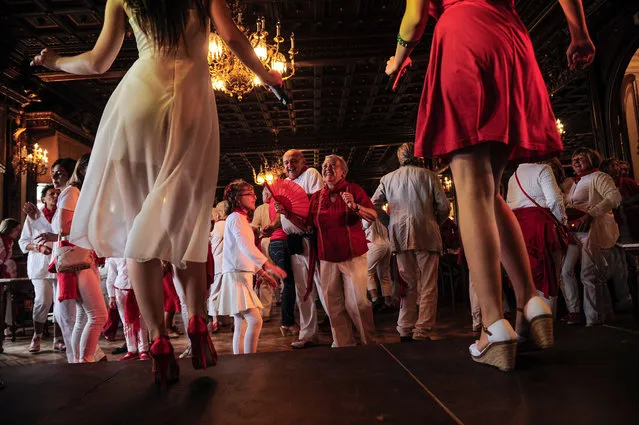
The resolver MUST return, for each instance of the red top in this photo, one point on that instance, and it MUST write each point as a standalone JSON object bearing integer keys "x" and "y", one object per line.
{"x": 279, "y": 234}
{"x": 340, "y": 235}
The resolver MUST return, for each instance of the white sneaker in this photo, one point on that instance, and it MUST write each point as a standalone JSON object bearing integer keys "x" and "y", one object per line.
{"x": 34, "y": 347}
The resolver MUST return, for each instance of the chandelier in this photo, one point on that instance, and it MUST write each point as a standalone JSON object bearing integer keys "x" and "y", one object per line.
{"x": 560, "y": 126}
{"x": 268, "y": 173}
{"x": 24, "y": 162}
{"x": 231, "y": 76}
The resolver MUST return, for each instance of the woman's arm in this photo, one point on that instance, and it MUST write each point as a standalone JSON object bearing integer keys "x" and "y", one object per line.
{"x": 99, "y": 59}
{"x": 605, "y": 186}
{"x": 581, "y": 51}
{"x": 552, "y": 193}
{"x": 410, "y": 31}
{"x": 239, "y": 44}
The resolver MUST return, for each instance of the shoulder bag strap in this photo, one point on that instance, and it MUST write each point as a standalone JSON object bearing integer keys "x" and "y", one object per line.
{"x": 535, "y": 202}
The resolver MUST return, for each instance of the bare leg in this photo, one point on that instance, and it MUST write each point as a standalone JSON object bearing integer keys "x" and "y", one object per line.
{"x": 193, "y": 279}
{"x": 476, "y": 192}
{"x": 146, "y": 279}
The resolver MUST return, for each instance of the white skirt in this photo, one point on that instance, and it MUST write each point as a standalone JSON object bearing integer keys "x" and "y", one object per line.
{"x": 236, "y": 294}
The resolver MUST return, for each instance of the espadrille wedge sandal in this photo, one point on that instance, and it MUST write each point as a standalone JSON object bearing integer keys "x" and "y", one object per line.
{"x": 501, "y": 350}
{"x": 539, "y": 317}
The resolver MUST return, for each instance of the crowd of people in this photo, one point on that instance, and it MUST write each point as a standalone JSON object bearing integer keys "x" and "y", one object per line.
{"x": 148, "y": 189}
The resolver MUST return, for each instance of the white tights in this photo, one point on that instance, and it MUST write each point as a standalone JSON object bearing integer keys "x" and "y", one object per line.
{"x": 247, "y": 340}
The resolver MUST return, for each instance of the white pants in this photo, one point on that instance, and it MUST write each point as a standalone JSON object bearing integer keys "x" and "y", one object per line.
{"x": 43, "y": 289}
{"x": 91, "y": 315}
{"x": 378, "y": 259}
{"x": 214, "y": 292}
{"x": 135, "y": 341}
{"x": 419, "y": 270}
{"x": 344, "y": 288}
{"x": 179, "y": 289}
{"x": 308, "y": 311}
{"x": 596, "y": 294}
{"x": 64, "y": 314}
{"x": 245, "y": 339}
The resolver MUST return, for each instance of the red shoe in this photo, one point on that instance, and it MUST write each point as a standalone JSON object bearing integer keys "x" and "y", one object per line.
{"x": 165, "y": 368}
{"x": 214, "y": 326}
{"x": 129, "y": 356}
{"x": 203, "y": 351}
{"x": 144, "y": 355}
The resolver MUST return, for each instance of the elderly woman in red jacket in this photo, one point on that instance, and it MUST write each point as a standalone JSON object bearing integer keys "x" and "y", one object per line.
{"x": 336, "y": 213}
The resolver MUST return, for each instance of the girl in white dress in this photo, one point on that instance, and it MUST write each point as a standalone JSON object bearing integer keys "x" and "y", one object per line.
{"x": 151, "y": 182}
{"x": 242, "y": 259}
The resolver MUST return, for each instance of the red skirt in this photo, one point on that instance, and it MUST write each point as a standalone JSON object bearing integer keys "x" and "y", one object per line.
{"x": 171, "y": 299}
{"x": 484, "y": 84}
{"x": 540, "y": 236}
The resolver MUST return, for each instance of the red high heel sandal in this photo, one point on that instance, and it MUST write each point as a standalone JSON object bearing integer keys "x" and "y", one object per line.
{"x": 203, "y": 352}
{"x": 165, "y": 368}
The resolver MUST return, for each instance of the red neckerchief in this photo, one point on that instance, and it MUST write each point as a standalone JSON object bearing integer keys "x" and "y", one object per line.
{"x": 579, "y": 176}
{"x": 339, "y": 187}
{"x": 48, "y": 214}
{"x": 240, "y": 211}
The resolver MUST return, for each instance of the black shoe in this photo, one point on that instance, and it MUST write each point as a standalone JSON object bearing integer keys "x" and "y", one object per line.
{"x": 407, "y": 338}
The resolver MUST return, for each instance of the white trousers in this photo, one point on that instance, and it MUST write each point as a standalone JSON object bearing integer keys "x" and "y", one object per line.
{"x": 43, "y": 289}
{"x": 344, "y": 288}
{"x": 135, "y": 341}
{"x": 64, "y": 314}
{"x": 308, "y": 311}
{"x": 91, "y": 315}
{"x": 596, "y": 294}
{"x": 378, "y": 259}
{"x": 179, "y": 289}
{"x": 419, "y": 270}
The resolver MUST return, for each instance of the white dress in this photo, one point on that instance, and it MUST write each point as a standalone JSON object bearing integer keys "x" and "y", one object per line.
{"x": 150, "y": 184}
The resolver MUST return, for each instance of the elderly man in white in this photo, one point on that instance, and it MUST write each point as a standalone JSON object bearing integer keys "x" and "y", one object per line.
{"x": 299, "y": 245}
{"x": 417, "y": 206}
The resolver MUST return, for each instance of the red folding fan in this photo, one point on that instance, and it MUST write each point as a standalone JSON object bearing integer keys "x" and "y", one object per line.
{"x": 291, "y": 196}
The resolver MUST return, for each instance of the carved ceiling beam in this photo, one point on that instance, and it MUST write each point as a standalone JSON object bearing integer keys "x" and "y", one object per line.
{"x": 51, "y": 122}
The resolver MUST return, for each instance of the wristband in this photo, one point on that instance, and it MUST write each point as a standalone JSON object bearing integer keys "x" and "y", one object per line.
{"x": 407, "y": 44}
{"x": 356, "y": 209}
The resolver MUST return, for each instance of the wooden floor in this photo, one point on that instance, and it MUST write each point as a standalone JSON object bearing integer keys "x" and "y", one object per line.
{"x": 591, "y": 376}
{"x": 271, "y": 340}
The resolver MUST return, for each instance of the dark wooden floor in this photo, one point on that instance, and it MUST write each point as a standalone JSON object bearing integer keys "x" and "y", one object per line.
{"x": 591, "y": 376}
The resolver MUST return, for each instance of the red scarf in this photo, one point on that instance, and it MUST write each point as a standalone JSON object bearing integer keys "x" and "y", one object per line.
{"x": 240, "y": 211}
{"x": 579, "y": 176}
{"x": 325, "y": 195}
{"x": 48, "y": 214}
{"x": 131, "y": 310}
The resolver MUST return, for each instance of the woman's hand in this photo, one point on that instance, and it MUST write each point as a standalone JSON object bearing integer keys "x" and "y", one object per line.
{"x": 279, "y": 208}
{"x": 583, "y": 223}
{"x": 391, "y": 66}
{"x": 43, "y": 249}
{"x": 112, "y": 304}
{"x": 31, "y": 210}
{"x": 46, "y": 237}
{"x": 274, "y": 270}
{"x": 47, "y": 58}
{"x": 273, "y": 78}
{"x": 266, "y": 278}
{"x": 580, "y": 53}
{"x": 267, "y": 231}
{"x": 350, "y": 201}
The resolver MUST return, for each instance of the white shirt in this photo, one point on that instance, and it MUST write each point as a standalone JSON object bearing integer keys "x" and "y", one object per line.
{"x": 311, "y": 181}
{"x": 67, "y": 200}
{"x": 240, "y": 253}
{"x": 117, "y": 275}
{"x": 376, "y": 232}
{"x": 417, "y": 204}
{"x": 37, "y": 263}
{"x": 539, "y": 183}
{"x": 217, "y": 245}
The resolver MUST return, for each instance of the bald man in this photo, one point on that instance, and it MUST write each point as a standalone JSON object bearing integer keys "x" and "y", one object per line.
{"x": 298, "y": 242}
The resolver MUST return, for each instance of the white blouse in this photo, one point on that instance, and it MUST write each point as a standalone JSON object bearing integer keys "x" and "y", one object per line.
{"x": 37, "y": 263}
{"x": 240, "y": 253}
{"x": 117, "y": 275}
{"x": 539, "y": 183}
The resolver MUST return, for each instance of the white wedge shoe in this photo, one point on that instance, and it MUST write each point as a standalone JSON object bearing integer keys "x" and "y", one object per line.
{"x": 501, "y": 350}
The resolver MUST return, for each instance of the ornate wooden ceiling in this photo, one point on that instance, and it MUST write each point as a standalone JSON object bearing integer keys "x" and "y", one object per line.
{"x": 339, "y": 98}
